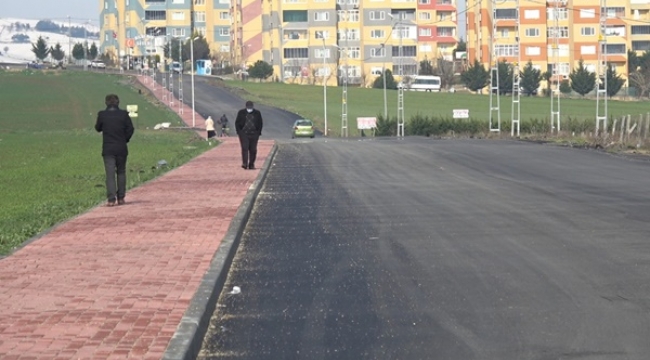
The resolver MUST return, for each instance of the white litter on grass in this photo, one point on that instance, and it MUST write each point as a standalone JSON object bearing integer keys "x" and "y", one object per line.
{"x": 235, "y": 290}
{"x": 164, "y": 125}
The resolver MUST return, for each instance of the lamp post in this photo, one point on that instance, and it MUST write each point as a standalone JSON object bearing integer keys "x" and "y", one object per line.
{"x": 192, "y": 77}
{"x": 383, "y": 46}
{"x": 324, "y": 89}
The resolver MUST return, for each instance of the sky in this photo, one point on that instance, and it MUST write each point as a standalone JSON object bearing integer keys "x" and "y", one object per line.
{"x": 81, "y": 10}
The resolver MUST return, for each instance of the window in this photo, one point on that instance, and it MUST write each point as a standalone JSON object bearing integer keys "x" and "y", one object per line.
{"x": 200, "y": 30}
{"x": 615, "y": 48}
{"x": 178, "y": 2}
{"x": 224, "y": 15}
{"x": 323, "y": 71}
{"x": 354, "y": 53}
{"x": 225, "y": 2}
{"x": 615, "y": 31}
{"x": 178, "y": 15}
{"x": 640, "y": 29}
{"x": 375, "y": 70}
{"x": 533, "y": 50}
{"x": 446, "y": 31}
{"x": 426, "y": 48}
{"x": 199, "y": 16}
{"x": 445, "y": 16}
{"x": 353, "y": 34}
{"x": 506, "y": 50}
{"x": 503, "y": 33}
{"x": 377, "y": 15}
{"x": 406, "y": 51}
{"x": 224, "y": 31}
{"x": 613, "y": 12}
{"x": 587, "y": 31}
{"x": 105, "y": 4}
{"x": 341, "y": 15}
{"x": 562, "y": 50}
{"x": 321, "y": 34}
{"x": 587, "y": 13}
{"x": 408, "y": 69}
{"x": 641, "y": 45}
{"x": 561, "y": 32}
{"x": 295, "y": 35}
{"x": 322, "y": 53}
{"x": 294, "y": 16}
{"x": 378, "y": 52}
{"x": 533, "y": 32}
{"x": 155, "y": 15}
{"x": 225, "y": 48}
{"x": 321, "y": 16}
{"x": 377, "y": 34}
{"x": 353, "y": 16}
{"x": 178, "y": 32}
{"x": 562, "y": 13}
{"x": 199, "y": 2}
{"x": 424, "y": 2}
{"x": 531, "y": 14}
{"x": 296, "y": 53}
{"x": 425, "y": 32}
{"x": 425, "y": 15}
{"x": 588, "y": 50}
{"x": 506, "y": 14}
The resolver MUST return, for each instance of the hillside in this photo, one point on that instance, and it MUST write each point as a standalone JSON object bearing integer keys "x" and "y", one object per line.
{"x": 20, "y": 53}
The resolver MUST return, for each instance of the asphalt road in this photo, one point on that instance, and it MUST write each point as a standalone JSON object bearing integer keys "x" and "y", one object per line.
{"x": 439, "y": 249}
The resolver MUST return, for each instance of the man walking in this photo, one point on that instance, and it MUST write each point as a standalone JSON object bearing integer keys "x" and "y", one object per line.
{"x": 116, "y": 128}
{"x": 249, "y": 129}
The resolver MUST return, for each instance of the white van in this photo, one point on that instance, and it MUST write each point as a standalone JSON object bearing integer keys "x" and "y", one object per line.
{"x": 425, "y": 83}
{"x": 177, "y": 67}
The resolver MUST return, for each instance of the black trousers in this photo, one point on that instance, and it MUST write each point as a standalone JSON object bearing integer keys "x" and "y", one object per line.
{"x": 115, "y": 167}
{"x": 248, "y": 148}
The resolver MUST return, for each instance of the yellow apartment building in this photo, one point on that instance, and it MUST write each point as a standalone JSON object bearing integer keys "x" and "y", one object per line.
{"x": 306, "y": 41}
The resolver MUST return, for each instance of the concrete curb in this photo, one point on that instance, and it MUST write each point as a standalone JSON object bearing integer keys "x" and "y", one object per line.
{"x": 188, "y": 338}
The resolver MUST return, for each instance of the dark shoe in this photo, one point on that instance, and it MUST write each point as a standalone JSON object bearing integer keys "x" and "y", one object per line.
{"x": 121, "y": 202}
{"x": 244, "y": 166}
{"x": 251, "y": 166}
{"x": 110, "y": 203}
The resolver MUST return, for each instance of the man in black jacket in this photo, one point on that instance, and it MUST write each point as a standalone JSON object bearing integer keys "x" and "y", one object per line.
{"x": 249, "y": 128}
{"x": 116, "y": 128}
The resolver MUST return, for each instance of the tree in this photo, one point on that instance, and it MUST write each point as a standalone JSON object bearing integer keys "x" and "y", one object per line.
{"x": 175, "y": 49}
{"x": 530, "y": 79}
{"x": 93, "y": 52}
{"x": 505, "y": 77}
{"x": 78, "y": 51}
{"x": 201, "y": 47}
{"x": 614, "y": 81}
{"x": 260, "y": 70}
{"x": 40, "y": 49}
{"x": 57, "y": 52}
{"x": 565, "y": 87}
{"x": 476, "y": 77}
{"x": 546, "y": 76}
{"x": 461, "y": 46}
{"x": 425, "y": 68}
{"x": 390, "y": 81}
{"x": 583, "y": 81}
{"x": 632, "y": 61}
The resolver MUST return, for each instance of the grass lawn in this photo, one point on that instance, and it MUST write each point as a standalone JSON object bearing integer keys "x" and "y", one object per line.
{"x": 50, "y": 155}
{"x": 307, "y": 101}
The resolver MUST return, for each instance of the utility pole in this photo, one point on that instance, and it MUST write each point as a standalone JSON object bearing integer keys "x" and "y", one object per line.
{"x": 324, "y": 86}
{"x": 86, "y": 47}
{"x": 601, "y": 90}
{"x": 400, "y": 90}
{"x": 555, "y": 95}
{"x": 516, "y": 81}
{"x": 344, "y": 109}
{"x": 495, "y": 105}
{"x": 69, "y": 40}
{"x": 180, "y": 77}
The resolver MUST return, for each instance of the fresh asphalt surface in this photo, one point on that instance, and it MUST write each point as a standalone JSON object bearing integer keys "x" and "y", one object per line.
{"x": 437, "y": 249}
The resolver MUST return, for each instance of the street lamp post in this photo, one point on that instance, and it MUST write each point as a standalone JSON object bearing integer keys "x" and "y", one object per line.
{"x": 324, "y": 88}
{"x": 383, "y": 46}
{"x": 192, "y": 77}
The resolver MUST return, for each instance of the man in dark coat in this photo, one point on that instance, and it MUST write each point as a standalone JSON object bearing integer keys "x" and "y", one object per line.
{"x": 249, "y": 129}
{"x": 116, "y": 128}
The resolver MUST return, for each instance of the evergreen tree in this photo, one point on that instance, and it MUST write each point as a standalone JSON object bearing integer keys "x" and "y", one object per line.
{"x": 583, "y": 81}
{"x": 78, "y": 51}
{"x": 390, "y": 81}
{"x": 57, "y": 52}
{"x": 565, "y": 87}
{"x": 505, "y": 77}
{"x": 93, "y": 52}
{"x": 530, "y": 79}
{"x": 614, "y": 81}
{"x": 260, "y": 70}
{"x": 40, "y": 49}
{"x": 475, "y": 77}
{"x": 425, "y": 68}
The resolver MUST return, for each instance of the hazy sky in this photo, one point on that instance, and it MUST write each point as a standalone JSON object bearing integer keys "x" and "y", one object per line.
{"x": 50, "y": 9}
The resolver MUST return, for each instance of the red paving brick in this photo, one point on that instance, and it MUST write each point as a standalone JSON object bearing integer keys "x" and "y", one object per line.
{"x": 113, "y": 283}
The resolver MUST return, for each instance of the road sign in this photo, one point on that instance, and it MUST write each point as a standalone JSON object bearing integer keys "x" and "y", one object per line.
{"x": 366, "y": 123}
{"x": 461, "y": 113}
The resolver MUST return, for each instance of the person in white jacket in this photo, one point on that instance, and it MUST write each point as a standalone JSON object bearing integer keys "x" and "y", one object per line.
{"x": 209, "y": 127}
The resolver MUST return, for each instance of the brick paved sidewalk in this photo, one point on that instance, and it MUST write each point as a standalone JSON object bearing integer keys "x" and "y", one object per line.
{"x": 114, "y": 283}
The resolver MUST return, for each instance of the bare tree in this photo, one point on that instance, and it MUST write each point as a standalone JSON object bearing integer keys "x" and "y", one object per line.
{"x": 445, "y": 69}
{"x": 641, "y": 80}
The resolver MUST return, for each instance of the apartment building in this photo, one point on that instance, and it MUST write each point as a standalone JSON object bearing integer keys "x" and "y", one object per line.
{"x": 306, "y": 41}
{"x": 558, "y": 32}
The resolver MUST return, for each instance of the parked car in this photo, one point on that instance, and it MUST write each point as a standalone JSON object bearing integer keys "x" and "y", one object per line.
{"x": 35, "y": 65}
{"x": 97, "y": 65}
{"x": 177, "y": 67}
{"x": 303, "y": 128}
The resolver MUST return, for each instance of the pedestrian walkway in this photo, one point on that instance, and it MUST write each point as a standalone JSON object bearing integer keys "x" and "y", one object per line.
{"x": 115, "y": 282}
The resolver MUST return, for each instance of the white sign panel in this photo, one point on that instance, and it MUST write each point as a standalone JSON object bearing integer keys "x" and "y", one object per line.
{"x": 366, "y": 123}
{"x": 461, "y": 113}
